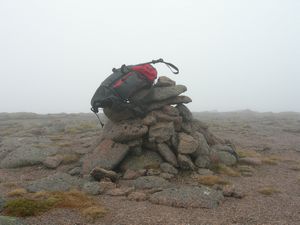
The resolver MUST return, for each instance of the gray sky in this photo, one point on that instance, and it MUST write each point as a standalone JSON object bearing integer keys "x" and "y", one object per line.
{"x": 233, "y": 54}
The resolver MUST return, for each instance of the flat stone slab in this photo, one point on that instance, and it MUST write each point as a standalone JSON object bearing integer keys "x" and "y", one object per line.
{"x": 188, "y": 197}
{"x": 56, "y": 182}
{"x": 149, "y": 182}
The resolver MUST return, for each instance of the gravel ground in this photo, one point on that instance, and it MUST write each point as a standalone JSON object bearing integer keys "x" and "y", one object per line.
{"x": 268, "y": 134}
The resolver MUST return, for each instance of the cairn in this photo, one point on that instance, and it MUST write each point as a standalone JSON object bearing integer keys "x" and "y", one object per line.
{"x": 167, "y": 138}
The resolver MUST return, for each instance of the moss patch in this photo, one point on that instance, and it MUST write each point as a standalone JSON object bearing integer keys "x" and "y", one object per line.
{"x": 268, "y": 191}
{"x": 37, "y": 203}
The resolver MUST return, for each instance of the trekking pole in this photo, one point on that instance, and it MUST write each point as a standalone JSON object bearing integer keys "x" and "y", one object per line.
{"x": 95, "y": 111}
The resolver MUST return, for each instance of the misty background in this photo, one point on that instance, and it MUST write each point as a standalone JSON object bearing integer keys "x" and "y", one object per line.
{"x": 232, "y": 54}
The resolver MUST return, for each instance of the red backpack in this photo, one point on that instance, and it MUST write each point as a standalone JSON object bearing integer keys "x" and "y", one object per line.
{"x": 123, "y": 83}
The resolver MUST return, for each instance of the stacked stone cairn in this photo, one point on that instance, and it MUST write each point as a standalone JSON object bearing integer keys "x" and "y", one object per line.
{"x": 166, "y": 140}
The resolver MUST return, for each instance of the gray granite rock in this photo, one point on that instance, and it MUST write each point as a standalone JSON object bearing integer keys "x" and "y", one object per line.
{"x": 187, "y": 144}
{"x": 167, "y": 154}
{"x": 99, "y": 173}
{"x": 161, "y": 132}
{"x": 2, "y": 203}
{"x": 164, "y": 81}
{"x": 56, "y": 182}
{"x": 185, "y": 162}
{"x": 159, "y": 93}
{"x": 188, "y": 197}
{"x": 26, "y": 156}
{"x": 148, "y": 159}
{"x": 170, "y": 101}
{"x": 223, "y": 157}
{"x": 124, "y": 131}
{"x": 92, "y": 188}
{"x": 107, "y": 155}
{"x": 185, "y": 113}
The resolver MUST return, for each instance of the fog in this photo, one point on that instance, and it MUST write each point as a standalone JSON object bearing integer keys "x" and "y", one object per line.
{"x": 232, "y": 54}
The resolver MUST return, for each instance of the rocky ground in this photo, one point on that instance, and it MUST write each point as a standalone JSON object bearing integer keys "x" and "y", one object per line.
{"x": 40, "y": 154}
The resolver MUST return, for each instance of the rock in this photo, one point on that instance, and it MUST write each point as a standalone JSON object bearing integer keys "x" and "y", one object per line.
{"x": 147, "y": 160}
{"x": 161, "y": 132}
{"x": 2, "y": 204}
{"x": 167, "y": 176}
{"x": 188, "y": 197}
{"x": 254, "y": 161}
{"x": 168, "y": 168}
{"x": 202, "y": 161}
{"x": 223, "y": 157}
{"x": 106, "y": 185}
{"x": 187, "y": 127}
{"x": 116, "y": 116}
{"x": 159, "y": 93}
{"x": 56, "y": 182}
{"x": 53, "y": 162}
{"x": 149, "y": 120}
{"x": 125, "y": 130}
{"x": 134, "y": 143}
{"x": 230, "y": 191}
{"x": 164, "y": 81}
{"x": 75, "y": 171}
{"x": 107, "y": 155}
{"x": 198, "y": 125}
{"x": 138, "y": 150}
{"x": 170, "y": 110}
{"x": 131, "y": 174}
{"x": 204, "y": 172}
{"x": 150, "y": 182}
{"x": 167, "y": 154}
{"x": 187, "y": 144}
{"x": 8, "y": 220}
{"x": 137, "y": 196}
{"x": 120, "y": 191}
{"x": 170, "y": 101}
{"x": 92, "y": 188}
{"x": 26, "y": 156}
{"x": 99, "y": 173}
{"x": 152, "y": 172}
{"x": 203, "y": 147}
{"x": 210, "y": 138}
{"x": 185, "y": 113}
{"x": 185, "y": 162}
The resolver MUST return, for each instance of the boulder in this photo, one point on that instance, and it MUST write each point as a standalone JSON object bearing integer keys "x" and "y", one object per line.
{"x": 170, "y": 101}
{"x": 222, "y": 157}
{"x": 187, "y": 144}
{"x": 107, "y": 155}
{"x": 185, "y": 113}
{"x": 188, "y": 197}
{"x": 124, "y": 131}
{"x": 148, "y": 159}
{"x": 26, "y": 156}
{"x": 185, "y": 162}
{"x": 167, "y": 154}
{"x": 203, "y": 147}
{"x": 99, "y": 173}
{"x": 161, "y": 132}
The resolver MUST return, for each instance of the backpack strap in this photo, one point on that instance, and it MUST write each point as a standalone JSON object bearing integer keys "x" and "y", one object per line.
{"x": 172, "y": 67}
